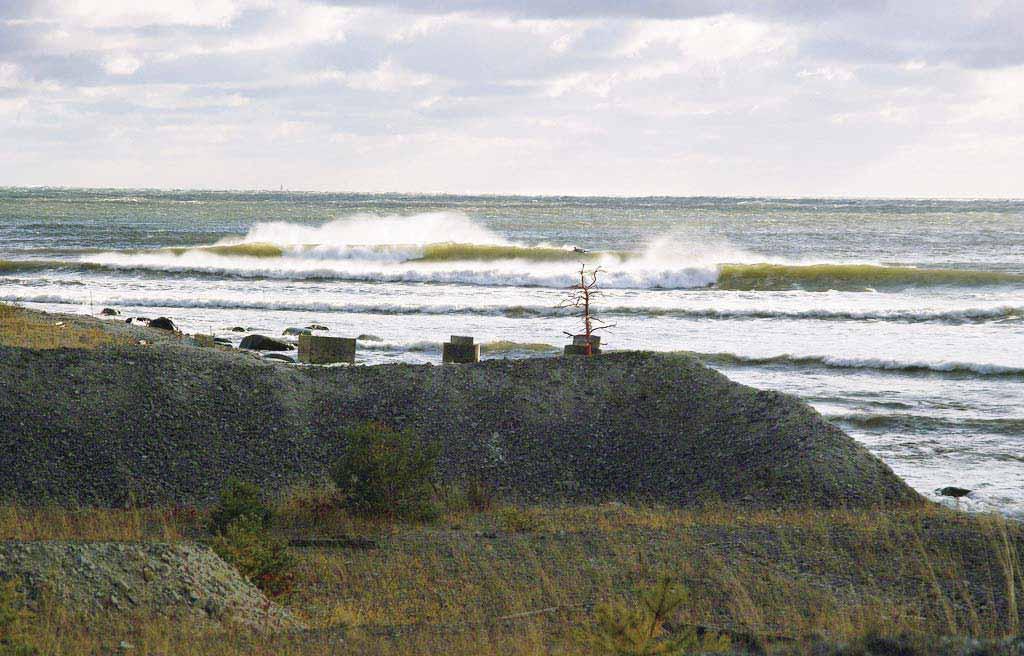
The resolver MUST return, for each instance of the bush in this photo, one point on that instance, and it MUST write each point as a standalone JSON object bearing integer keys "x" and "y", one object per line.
{"x": 14, "y": 619}
{"x": 621, "y": 630}
{"x": 259, "y": 556}
{"x": 239, "y": 499}
{"x": 387, "y": 473}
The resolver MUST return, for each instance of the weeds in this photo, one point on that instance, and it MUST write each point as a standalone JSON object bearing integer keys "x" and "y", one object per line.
{"x": 14, "y": 621}
{"x": 519, "y": 520}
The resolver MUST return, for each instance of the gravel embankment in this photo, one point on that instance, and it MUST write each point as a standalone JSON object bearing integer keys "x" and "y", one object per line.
{"x": 170, "y": 422}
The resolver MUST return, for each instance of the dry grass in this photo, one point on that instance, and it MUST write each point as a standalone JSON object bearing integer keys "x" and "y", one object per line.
{"x": 97, "y": 524}
{"x": 26, "y": 329}
{"x": 476, "y": 583}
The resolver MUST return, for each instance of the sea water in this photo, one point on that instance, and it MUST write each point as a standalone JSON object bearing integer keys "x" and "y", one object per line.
{"x": 900, "y": 320}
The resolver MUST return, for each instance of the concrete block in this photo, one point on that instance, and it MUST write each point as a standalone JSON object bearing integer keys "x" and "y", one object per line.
{"x": 460, "y": 353}
{"x": 581, "y": 340}
{"x": 317, "y": 349}
{"x": 580, "y": 349}
{"x": 458, "y": 340}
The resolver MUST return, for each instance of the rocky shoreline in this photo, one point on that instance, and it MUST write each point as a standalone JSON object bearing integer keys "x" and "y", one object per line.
{"x": 167, "y": 421}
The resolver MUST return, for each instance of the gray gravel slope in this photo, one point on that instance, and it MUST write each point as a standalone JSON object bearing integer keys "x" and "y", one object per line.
{"x": 170, "y": 422}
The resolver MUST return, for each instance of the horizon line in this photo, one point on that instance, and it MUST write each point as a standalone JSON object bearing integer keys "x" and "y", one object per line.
{"x": 512, "y": 195}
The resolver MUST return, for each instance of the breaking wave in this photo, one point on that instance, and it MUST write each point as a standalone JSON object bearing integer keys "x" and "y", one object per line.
{"x": 243, "y": 250}
{"x": 919, "y": 423}
{"x": 446, "y": 247}
{"x": 851, "y": 277}
{"x": 878, "y": 364}
{"x": 632, "y": 274}
{"x": 452, "y": 252}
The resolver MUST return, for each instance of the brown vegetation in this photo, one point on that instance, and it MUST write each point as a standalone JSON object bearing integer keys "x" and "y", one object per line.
{"x": 25, "y": 329}
{"x": 478, "y": 583}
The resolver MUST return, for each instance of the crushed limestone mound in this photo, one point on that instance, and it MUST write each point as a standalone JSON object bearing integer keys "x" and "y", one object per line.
{"x": 183, "y": 581}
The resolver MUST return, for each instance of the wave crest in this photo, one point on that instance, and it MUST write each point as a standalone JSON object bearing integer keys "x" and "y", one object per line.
{"x": 878, "y": 364}
{"x": 851, "y": 277}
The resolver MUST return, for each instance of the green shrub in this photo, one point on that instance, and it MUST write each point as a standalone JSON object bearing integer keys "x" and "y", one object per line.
{"x": 237, "y": 500}
{"x": 387, "y": 473}
{"x": 621, "y": 630}
{"x": 261, "y": 557}
{"x": 14, "y": 620}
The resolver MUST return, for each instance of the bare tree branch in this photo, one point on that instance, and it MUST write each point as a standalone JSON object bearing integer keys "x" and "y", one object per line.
{"x": 580, "y": 296}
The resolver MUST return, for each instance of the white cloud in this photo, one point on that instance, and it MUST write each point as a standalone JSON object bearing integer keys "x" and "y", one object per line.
{"x": 141, "y": 13}
{"x": 829, "y": 73}
{"x": 714, "y": 39}
{"x": 420, "y": 27}
{"x": 298, "y": 27}
{"x": 9, "y": 75}
{"x": 914, "y": 65}
{"x": 387, "y": 76}
{"x": 602, "y": 83}
{"x": 124, "y": 64}
{"x": 597, "y": 97}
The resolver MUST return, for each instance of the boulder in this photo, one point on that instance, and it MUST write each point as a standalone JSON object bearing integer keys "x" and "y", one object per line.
{"x": 238, "y": 329}
{"x": 109, "y": 312}
{"x": 316, "y": 326}
{"x": 370, "y": 338}
{"x": 297, "y": 331}
{"x": 278, "y": 356}
{"x": 264, "y": 343}
{"x": 951, "y": 491}
{"x": 163, "y": 323}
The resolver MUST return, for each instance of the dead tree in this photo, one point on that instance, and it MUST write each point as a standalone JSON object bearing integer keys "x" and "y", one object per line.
{"x": 580, "y": 296}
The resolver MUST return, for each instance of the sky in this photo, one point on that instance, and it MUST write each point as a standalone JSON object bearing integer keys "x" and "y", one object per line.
{"x": 911, "y": 98}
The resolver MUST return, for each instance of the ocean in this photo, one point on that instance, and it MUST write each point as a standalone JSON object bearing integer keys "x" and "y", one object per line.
{"x": 902, "y": 321}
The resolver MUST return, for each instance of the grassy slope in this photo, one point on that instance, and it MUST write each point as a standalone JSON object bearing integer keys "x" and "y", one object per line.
{"x": 470, "y": 584}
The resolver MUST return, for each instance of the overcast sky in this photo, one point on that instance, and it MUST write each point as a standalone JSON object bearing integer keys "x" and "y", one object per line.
{"x": 783, "y": 98}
